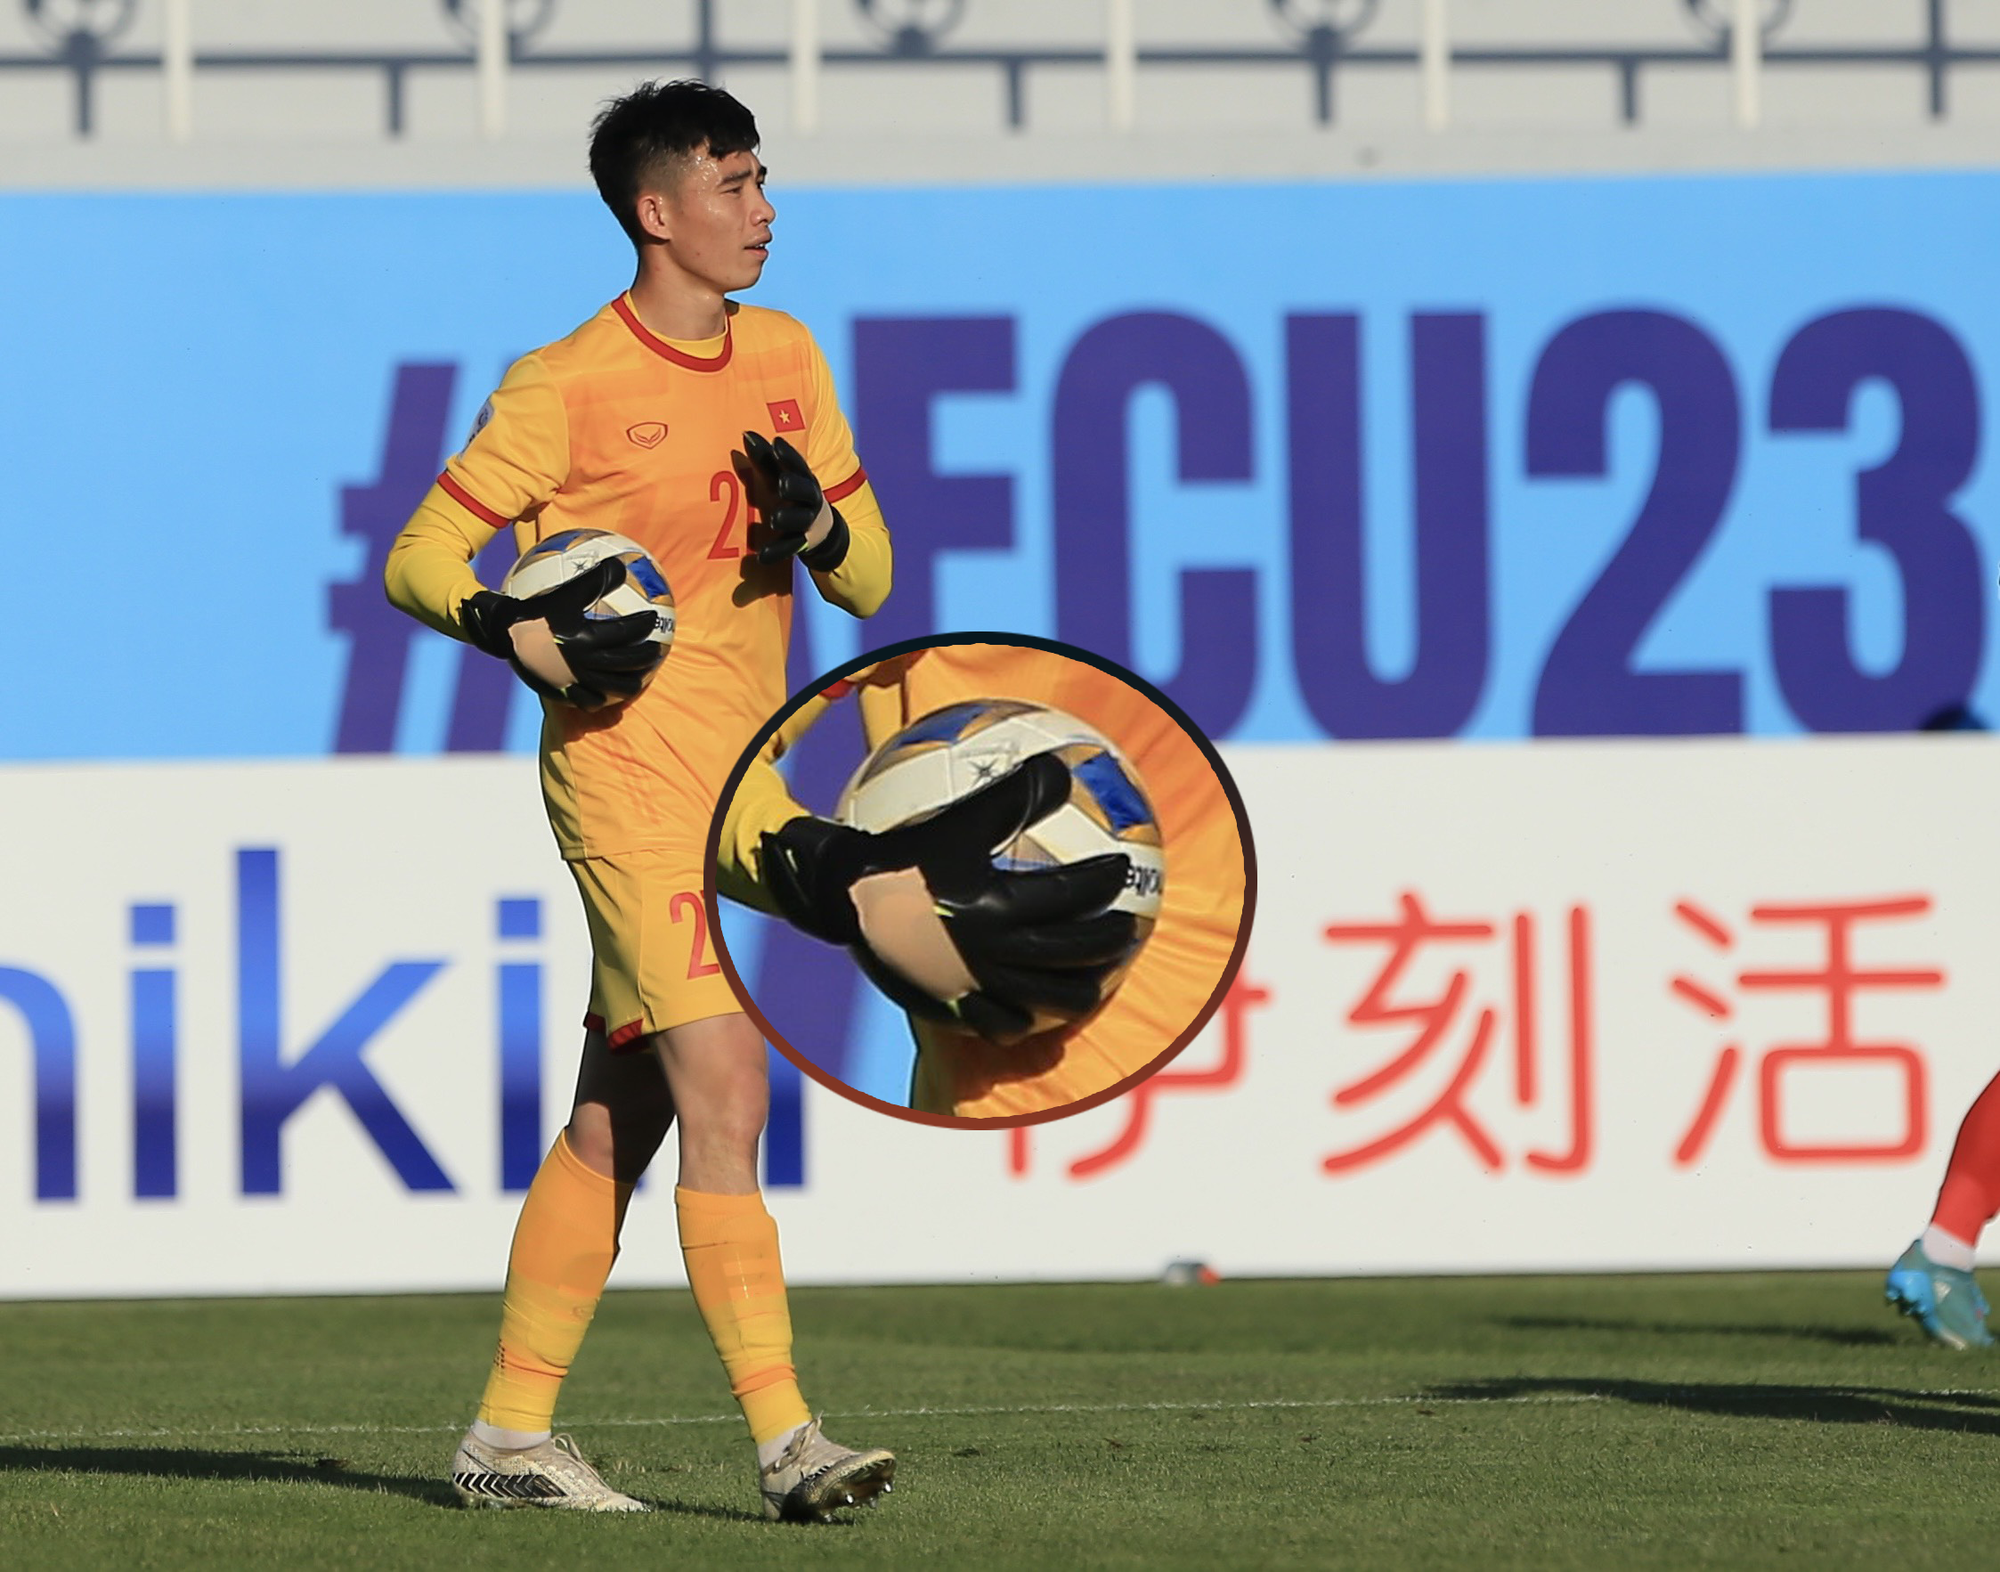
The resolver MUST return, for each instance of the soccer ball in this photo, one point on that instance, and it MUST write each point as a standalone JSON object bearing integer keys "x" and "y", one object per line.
{"x": 562, "y": 556}
{"x": 952, "y": 752}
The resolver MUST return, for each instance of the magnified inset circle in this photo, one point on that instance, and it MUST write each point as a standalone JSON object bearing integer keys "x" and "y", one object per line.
{"x": 981, "y": 879}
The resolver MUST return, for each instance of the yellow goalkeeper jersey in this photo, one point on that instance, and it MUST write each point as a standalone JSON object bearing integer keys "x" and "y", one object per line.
{"x": 618, "y": 429}
{"x": 1183, "y": 964}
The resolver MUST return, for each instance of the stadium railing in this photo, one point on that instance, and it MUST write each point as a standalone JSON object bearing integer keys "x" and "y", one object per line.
{"x": 1318, "y": 42}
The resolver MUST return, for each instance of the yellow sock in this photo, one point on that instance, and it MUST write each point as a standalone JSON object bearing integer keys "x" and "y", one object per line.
{"x": 730, "y": 1245}
{"x": 564, "y": 1245}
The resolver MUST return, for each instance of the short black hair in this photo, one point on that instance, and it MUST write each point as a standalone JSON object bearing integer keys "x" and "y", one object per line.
{"x": 653, "y": 125}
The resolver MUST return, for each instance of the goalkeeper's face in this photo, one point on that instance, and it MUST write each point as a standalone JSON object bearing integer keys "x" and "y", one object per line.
{"x": 714, "y": 219}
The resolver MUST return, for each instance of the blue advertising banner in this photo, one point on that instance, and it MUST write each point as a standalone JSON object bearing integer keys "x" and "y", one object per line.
{"x": 1491, "y": 459}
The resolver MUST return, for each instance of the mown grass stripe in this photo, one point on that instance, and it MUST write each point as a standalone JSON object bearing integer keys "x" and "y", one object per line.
{"x": 219, "y": 1432}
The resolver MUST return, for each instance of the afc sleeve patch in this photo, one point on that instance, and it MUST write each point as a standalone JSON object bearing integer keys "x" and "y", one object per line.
{"x": 479, "y": 423}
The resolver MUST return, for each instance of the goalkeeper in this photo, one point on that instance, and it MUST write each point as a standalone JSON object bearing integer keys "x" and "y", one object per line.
{"x": 650, "y": 420}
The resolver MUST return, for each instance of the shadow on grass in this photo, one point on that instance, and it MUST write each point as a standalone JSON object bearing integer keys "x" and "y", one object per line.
{"x": 1840, "y": 1336}
{"x": 699, "y": 1509}
{"x": 156, "y": 1462}
{"x": 1973, "y": 1412}
{"x": 273, "y": 1468}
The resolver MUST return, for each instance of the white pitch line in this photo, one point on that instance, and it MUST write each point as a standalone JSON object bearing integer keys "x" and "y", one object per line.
{"x": 972, "y": 1412}
{"x": 219, "y": 1431}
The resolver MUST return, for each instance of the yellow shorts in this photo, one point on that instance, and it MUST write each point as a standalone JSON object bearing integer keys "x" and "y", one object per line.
{"x": 653, "y": 964}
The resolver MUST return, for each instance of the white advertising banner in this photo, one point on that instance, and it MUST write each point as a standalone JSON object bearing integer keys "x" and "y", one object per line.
{"x": 308, "y": 1026}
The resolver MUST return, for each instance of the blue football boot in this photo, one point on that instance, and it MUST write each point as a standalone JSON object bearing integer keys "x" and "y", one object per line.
{"x": 1944, "y": 1301}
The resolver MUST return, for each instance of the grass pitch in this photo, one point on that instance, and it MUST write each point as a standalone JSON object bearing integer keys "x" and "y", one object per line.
{"x": 1548, "y": 1422}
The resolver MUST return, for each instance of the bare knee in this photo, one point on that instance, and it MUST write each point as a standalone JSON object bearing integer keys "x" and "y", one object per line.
{"x": 728, "y": 1130}
{"x": 619, "y": 1140}
{"x": 590, "y": 1137}
{"x": 721, "y": 1090}
{"x": 622, "y": 1110}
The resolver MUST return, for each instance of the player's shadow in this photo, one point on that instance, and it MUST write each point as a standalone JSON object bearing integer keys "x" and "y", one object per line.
{"x": 721, "y": 1514}
{"x": 1963, "y": 1412}
{"x": 148, "y": 1462}
{"x": 152, "y": 1462}
{"x": 1840, "y": 1336}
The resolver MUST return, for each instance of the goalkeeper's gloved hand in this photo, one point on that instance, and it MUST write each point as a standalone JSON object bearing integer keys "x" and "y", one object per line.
{"x": 942, "y": 931}
{"x": 557, "y": 649}
{"x": 801, "y": 522}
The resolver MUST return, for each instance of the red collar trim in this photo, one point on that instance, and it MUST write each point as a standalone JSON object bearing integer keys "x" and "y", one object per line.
{"x": 666, "y": 351}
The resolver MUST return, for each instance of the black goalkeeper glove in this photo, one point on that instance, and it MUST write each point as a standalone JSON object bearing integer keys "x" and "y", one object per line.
{"x": 789, "y": 496}
{"x": 586, "y": 661}
{"x": 1037, "y": 941}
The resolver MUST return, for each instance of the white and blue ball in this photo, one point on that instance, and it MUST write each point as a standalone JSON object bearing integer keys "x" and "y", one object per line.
{"x": 952, "y": 752}
{"x": 563, "y": 556}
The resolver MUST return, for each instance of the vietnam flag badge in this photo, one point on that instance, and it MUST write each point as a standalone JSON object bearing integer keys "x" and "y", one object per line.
{"x": 785, "y": 416}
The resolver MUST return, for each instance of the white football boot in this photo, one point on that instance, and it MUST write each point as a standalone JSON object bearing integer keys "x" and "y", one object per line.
{"x": 814, "y": 1477}
{"x": 553, "y": 1474}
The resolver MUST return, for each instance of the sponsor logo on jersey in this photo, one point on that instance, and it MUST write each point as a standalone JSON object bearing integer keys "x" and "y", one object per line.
{"x": 785, "y": 416}
{"x": 648, "y": 433}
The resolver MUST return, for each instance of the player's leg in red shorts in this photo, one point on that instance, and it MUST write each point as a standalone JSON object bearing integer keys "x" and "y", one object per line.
{"x": 1932, "y": 1281}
